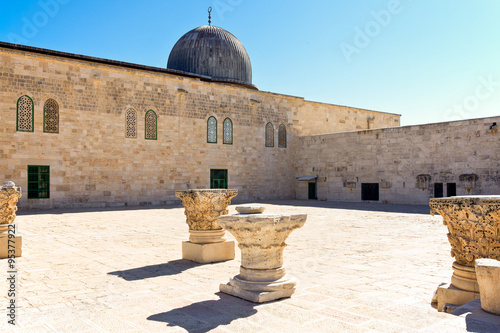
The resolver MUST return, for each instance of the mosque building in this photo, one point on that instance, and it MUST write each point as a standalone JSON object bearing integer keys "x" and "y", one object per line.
{"x": 80, "y": 131}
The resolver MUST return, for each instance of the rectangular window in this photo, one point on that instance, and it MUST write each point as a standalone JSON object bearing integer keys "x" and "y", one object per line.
{"x": 369, "y": 191}
{"x": 38, "y": 182}
{"x": 451, "y": 189}
{"x": 218, "y": 178}
{"x": 438, "y": 190}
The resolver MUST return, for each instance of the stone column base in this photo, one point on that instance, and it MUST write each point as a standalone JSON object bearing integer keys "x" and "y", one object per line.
{"x": 4, "y": 246}
{"x": 255, "y": 296}
{"x": 260, "y": 285}
{"x": 209, "y": 252}
{"x": 448, "y": 293}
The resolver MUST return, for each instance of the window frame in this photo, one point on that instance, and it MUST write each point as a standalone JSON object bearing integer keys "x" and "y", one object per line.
{"x": 208, "y": 129}
{"x": 281, "y": 129}
{"x": 44, "y": 124}
{"x": 40, "y": 180}
{"x": 146, "y": 125}
{"x": 32, "y": 115}
{"x": 135, "y": 125}
{"x": 272, "y": 132}
{"x": 224, "y": 131}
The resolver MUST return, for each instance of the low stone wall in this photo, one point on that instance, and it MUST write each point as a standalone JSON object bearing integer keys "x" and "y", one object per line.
{"x": 405, "y": 162}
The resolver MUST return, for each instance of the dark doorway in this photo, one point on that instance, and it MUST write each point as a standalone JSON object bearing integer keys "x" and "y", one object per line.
{"x": 218, "y": 178}
{"x": 312, "y": 191}
{"x": 369, "y": 191}
{"x": 438, "y": 190}
{"x": 451, "y": 189}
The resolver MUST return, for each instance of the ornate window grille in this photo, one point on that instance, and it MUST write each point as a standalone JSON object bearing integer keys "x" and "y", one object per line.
{"x": 25, "y": 114}
{"x": 282, "y": 136}
{"x": 131, "y": 124}
{"x": 212, "y": 130}
{"x": 51, "y": 116}
{"x": 228, "y": 131}
{"x": 151, "y": 128}
{"x": 269, "y": 135}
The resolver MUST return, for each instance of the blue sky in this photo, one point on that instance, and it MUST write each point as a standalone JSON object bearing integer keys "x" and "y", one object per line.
{"x": 429, "y": 61}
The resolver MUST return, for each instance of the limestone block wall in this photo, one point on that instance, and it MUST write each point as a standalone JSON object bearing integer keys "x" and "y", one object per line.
{"x": 318, "y": 118}
{"x": 405, "y": 162}
{"x": 91, "y": 161}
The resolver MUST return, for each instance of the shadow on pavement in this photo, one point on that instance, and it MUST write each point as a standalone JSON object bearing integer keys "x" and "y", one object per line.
{"x": 205, "y": 316}
{"x": 363, "y": 206}
{"x": 170, "y": 268}
{"x": 57, "y": 211}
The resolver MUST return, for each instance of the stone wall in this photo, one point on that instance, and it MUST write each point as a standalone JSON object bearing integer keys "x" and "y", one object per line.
{"x": 318, "y": 118}
{"x": 93, "y": 164}
{"x": 406, "y": 162}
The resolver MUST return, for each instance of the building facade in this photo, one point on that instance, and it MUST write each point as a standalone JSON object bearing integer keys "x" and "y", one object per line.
{"x": 78, "y": 131}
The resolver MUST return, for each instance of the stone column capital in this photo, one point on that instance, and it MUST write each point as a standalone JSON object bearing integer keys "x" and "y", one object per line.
{"x": 261, "y": 237}
{"x": 202, "y": 207}
{"x": 9, "y": 195}
{"x": 474, "y": 226}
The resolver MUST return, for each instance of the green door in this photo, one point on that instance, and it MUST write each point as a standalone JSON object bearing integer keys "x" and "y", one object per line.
{"x": 218, "y": 178}
{"x": 312, "y": 191}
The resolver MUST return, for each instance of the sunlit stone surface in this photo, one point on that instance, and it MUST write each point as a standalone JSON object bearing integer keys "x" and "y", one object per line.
{"x": 261, "y": 239}
{"x": 473, "y": 232}
{"x": 207, "y": 240}
{"x": 9, "y": 195}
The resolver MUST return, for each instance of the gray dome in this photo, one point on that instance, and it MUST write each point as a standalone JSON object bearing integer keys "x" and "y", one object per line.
{"x": 213, "y": 52}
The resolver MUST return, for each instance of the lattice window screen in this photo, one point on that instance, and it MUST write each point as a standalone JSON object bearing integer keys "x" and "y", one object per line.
{"x": 51, "y": 116}
{"x": 151, "y": 125}
{"x": 269, "y": 135}
{"x": 131, "y": 124}
{"x": 25, "y": 114}
{"x": 212, "y": 130}
{"x": 228, "y": 131}
{"x": 282, "y": 136}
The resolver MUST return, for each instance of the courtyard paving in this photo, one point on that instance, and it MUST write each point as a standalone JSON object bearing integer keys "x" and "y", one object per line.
{"x": 362, "y": 267}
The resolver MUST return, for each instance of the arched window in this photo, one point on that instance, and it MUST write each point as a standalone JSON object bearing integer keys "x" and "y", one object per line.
{"x": 25, "y": 114}
{"x": 51, "y": 116}
{"x": 131, "y": 124}
{"x": 151, "y": 126}
{"x": 228, "y": 131}
{"x": 212, "y": 130}
{"x": 282, "y": 136}
{"x": 269, "y": 135}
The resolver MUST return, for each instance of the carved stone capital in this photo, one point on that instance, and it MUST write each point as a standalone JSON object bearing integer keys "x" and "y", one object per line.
{"x": 9, "y": 195}
{"x": 261, "y": 237}
{"x": 202, "y": 207}
{"x": 474, "y": 226}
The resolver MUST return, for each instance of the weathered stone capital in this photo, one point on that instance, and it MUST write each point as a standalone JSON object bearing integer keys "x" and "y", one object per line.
{"x": 474, "y": 226}
{"x": 261, "y": 237}
{"x": 202, "y": 207}
{"x": 9, "y": 195}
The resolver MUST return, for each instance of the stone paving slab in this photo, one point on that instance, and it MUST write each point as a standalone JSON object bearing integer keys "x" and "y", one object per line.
{"x": 362, "y": 267}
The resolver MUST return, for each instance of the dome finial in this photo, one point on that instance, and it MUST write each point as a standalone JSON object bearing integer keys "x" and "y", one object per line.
{"x": 209, "y": 16}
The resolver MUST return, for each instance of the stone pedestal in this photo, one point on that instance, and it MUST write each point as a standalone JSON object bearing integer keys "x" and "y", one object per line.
{"x": 261, "y": 239}
{"x": 474, "y": 232}
{"x": 207, "y": 240}
{"x": 9, "y": 240}
{"x": 488, "y": 276}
